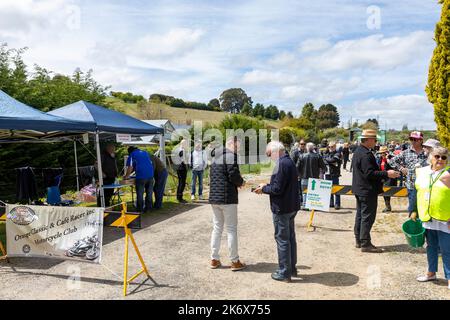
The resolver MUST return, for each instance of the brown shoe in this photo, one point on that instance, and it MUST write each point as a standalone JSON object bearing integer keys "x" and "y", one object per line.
{"x": 215, "y": 264}
{"x": 238, "y": 265}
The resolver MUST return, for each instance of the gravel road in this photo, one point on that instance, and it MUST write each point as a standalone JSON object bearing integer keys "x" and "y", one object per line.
{"x": 176, "y": 249}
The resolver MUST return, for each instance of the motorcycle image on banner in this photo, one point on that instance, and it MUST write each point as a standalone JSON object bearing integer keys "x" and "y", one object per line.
{"x": 54, "y": 232}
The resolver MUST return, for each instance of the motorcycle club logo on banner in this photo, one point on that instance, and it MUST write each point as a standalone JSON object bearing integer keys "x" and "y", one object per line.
{"x": 55, "y": 232}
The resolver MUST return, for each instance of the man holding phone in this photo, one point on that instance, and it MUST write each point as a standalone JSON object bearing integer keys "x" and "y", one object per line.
{"x": 284, "y": 203}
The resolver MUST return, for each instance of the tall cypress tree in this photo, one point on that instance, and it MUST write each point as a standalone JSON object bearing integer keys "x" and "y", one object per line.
{"x": 438, "y": 87}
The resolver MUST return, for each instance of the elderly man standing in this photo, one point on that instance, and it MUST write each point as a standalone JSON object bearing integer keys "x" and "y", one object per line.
{"x": 367, "y": 184}
{"x": 284, "y": 203}
{"x": 225, "y": 179}
{"x": 407, "y": 162}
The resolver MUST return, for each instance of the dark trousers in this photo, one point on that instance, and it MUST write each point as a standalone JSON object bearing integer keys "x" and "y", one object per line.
{"x": 300, "y": 192}
{"x": 144, "y": 185}
{"x": 159, "y": 187}
{"x": 387, "y": 202}
{"x": 286, "y": 242}
{"x": 107, "y": 192}
{"x": 335, "y": 180}
{"x": 366, "y": 212}
{"x": 182, "y": 175}
{"x": 412, "y": 200}
{"x": 345, "y": 164}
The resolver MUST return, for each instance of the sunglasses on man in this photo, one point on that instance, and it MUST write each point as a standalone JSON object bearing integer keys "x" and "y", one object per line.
{"x": 437, "y": 157}
{"x": 415, "y": 140}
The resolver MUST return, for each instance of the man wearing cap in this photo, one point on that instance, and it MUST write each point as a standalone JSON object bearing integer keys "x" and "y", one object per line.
{"x": 367, "y": 184}
{"x": 407, "y": 162}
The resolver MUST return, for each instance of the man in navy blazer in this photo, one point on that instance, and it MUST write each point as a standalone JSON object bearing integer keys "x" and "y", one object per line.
{"x": 284, "y": 203}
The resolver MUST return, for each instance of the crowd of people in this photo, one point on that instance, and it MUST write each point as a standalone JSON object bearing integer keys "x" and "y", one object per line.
{"x": 423, "y": 166}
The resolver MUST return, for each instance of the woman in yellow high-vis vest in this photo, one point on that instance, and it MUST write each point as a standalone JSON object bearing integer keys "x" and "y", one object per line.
{"x": 433, "y": 205}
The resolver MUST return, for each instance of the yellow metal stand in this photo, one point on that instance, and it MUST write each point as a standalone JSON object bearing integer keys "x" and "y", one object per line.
{"x": 129, "y": 235}
{"x": 310, "y": 227}
{"x": 2, "y": 249}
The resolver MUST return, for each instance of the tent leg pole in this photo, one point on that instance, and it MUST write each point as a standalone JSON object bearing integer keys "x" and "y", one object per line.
{"x": 162, "y": 148}
{"x": 76, "y": 164}
{"x": 100, "y": 171}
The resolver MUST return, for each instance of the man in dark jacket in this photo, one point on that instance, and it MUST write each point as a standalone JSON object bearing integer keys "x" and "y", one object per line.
{"x": 284, "y": 203}
{"x": 309, "y": 166}
{"x": 182, "y": 153}
{"x": 296, "y": 154}
{"x": 332, "y": 159}
{"x": 225, "y": 179}
{"x": 109, "y": 168}
{"x": 367, "y": 184}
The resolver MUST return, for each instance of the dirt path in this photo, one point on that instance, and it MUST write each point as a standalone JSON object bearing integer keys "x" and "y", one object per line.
{"x": 176, "y": 249}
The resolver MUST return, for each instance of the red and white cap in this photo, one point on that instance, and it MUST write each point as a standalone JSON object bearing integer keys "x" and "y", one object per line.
{"x": 416, "y": 135}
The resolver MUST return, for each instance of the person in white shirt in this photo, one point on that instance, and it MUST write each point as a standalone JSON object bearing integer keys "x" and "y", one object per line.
{"x": 199, "y": 162}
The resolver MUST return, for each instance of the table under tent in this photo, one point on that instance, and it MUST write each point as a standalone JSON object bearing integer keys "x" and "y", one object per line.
{"x": 107, "y": 124}
{"x": 20, "y": 123}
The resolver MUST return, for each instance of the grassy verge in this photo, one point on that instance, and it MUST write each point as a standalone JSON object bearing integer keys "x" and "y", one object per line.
{"x": 257, "y": 168}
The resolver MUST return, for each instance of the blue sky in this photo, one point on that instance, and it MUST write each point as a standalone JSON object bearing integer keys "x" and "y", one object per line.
{"x": 369, "y": 58}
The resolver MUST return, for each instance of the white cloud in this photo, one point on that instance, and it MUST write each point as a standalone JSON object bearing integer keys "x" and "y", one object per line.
{"x": 376, "y": 51}
{"x": 177, "y": 41}
{"x": 19, "y": 19}
{"x": 320, "y": 90}
{"x": 395, "y": 111}
{"x": 311, "y": 45}
{"x": 260, "y": 77}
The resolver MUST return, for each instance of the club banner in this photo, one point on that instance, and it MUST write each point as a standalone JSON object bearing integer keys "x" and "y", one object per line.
{"x": 54, "y": 232}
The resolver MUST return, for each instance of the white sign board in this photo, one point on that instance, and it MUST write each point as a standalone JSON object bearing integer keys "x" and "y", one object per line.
{"x": 54, "y": 232}
{"x": 319, "y": 193}
{"x": 121, "y": 138}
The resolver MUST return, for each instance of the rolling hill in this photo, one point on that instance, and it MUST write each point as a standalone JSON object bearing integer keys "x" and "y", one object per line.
{"x": 153, "y": 110}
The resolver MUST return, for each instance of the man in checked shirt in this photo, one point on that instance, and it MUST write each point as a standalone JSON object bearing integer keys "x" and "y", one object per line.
{"x": 407, "y": 162}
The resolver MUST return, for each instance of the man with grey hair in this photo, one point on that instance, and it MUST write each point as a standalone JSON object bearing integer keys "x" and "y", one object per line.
{"x": 309, "y": 166}
{"x": 284, "y": 203}
{"x": 225, "y": 179}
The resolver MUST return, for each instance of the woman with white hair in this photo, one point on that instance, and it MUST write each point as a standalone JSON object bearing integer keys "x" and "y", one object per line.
{"x": 433, "y": 205}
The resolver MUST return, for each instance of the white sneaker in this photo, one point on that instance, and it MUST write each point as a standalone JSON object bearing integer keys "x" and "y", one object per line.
{"x": 200, "y": 197}
{"x": 193, "y": 197}
{"x": 426, "y": 278}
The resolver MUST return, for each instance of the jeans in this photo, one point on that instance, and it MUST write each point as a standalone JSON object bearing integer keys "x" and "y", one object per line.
{"x": 438, "y": 241}
{"x": 182, "y": 175}
{"x": 144, "y": 185}
{"x": 158, "y": 189}
{"x": 335, "y": 180}
{"x": 366, "y": 212}
{"x": 225, "y": 215}
{"x": 286, "y": 242}
{"x": 304, "y": 187}
{"x": 196, "y": 174}
{"x": 412, "y": 200}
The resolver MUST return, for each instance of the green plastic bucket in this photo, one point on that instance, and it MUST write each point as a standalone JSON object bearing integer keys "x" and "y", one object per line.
{"x": 414, "y": 233}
